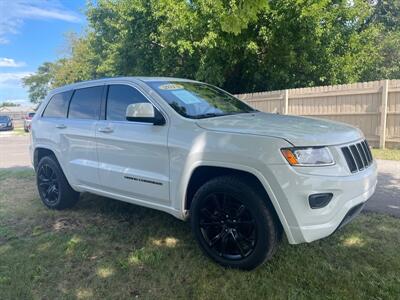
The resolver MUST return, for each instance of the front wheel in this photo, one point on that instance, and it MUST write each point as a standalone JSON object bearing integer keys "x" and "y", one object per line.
{"x": 233, "y": 224}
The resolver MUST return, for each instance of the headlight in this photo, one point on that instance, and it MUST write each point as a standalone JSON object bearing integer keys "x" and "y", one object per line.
{"x": 9, "y": 124}
{"x": 308, "y": 156}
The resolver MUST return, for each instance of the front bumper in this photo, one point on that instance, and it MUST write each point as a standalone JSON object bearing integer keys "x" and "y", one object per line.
{"x": 305, "y": 224}
{"x": 351, "y": 214}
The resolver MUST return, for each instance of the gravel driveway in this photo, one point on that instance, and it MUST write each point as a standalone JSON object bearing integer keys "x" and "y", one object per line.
{"x": 14, "y": 153}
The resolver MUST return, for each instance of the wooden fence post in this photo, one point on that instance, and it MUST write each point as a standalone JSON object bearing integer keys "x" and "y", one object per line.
{"x": 385, "y": 91}
{"x": 286, "y": 102}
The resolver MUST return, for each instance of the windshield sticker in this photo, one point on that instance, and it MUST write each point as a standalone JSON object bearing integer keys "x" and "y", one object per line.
{"x": 170, "y": 87}
{"x": 186, "y": 97}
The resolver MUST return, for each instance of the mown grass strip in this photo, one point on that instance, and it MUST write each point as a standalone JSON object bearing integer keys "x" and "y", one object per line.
{"x": 387, "y": 154}
{"x": 108, "y": 249}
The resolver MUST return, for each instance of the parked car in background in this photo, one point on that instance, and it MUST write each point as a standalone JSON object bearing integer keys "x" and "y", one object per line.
{"x": 27, "y": 121}
{"x": 6, "y": 123}
{"x": 243, "y": 177}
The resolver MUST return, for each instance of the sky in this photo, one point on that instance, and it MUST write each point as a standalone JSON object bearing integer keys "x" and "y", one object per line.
{"x": 31, "y": 33}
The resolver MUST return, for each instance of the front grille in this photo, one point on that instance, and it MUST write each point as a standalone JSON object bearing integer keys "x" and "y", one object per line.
{"x": 358, "y": 156}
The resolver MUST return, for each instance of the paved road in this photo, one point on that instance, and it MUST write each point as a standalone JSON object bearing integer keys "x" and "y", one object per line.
{"x": 14, "y": 150}
{"x": 387, "y": 195}
{"x": 14, "y": 153}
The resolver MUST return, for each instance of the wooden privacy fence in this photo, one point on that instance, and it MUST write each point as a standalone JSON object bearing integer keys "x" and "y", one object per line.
{"x": 373, "y": 106}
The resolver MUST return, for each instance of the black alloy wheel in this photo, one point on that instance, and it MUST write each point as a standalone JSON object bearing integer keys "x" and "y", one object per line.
{"x": 233, "y": 222}
{"x": 48, "y": 184}
{"x": 227, "y": 226}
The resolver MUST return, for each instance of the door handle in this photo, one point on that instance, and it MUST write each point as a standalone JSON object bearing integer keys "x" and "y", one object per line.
{"x": 106, "y": 129}
{"x": 61, "y": 126}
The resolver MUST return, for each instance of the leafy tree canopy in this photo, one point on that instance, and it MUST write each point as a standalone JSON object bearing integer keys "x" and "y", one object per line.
{"x": 242, "y": 46}
{"x": 8, "y": 104}
{"x": 40, "y": 83}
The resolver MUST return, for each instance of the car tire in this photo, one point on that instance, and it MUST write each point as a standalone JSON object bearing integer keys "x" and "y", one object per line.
{"x": 233, "y": 223}
{"x": 54, "y": 189}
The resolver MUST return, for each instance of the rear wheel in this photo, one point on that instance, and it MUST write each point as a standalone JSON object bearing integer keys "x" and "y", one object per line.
{"x": 233, "y": 224}
{"x": 53, "y": 187}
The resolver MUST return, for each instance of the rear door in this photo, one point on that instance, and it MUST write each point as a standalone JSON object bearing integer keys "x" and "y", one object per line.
{"x": 77, "y": 135}
{"x": 50, "y": 128}
{"x": 133, "y": 156}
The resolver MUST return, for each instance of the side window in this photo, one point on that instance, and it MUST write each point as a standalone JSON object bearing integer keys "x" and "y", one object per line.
{"x": 118, "y": 99}
{"x": 58, "y": 105}
{"x": 85, "y": 103}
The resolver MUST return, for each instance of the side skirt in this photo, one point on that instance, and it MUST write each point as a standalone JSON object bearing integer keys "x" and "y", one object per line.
{"x": 170, "y": 210}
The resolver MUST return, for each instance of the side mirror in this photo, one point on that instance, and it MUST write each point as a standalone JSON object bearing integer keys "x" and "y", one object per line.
{"x": 144, "y": 112}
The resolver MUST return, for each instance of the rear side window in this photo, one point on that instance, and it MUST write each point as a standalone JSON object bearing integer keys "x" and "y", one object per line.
{"x": 118, "y": 99}
{"x": 85, "y": 103}
{"x": 58, "y": 105}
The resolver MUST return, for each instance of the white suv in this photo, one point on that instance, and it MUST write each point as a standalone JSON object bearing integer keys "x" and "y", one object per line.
{"x": 192, "y": 150}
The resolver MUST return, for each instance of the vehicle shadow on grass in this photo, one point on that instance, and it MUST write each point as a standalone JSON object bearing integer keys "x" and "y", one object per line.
{"x": 386, "y": 198}
{"x": 104, "y": 248}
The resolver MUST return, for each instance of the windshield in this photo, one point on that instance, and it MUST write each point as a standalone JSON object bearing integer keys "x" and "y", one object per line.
{"x": 197, "y": 100}
{"x": 4, "y": 118}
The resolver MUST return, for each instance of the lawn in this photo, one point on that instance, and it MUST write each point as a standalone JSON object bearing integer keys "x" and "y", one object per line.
{"x": 18, "y": 131}
{"x": 388, "y": 154}
{"x": 106, "y": 249}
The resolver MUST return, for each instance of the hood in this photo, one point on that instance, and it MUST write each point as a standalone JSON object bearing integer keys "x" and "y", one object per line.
{"x": 299, "y": 131}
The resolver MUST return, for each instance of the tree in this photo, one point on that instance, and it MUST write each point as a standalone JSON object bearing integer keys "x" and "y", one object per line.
{"x": 386, "y": 14}
{"x": 241, "y": 46}
{"x": 285, "y": 44}
{"x": 40, "y": 83}
{"x": 8, "y": 104}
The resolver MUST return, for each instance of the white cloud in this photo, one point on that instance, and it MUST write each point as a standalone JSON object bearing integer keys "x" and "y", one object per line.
{"x": 12, "y": 79}
{"x": 10, "y": 63}
{"x": 13, "y": 13}
{"x": 39, "y": 13}
{"x": 11, "y": 88}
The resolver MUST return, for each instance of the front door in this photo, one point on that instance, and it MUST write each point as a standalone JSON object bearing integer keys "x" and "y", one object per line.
{"x": 133, "y": 156}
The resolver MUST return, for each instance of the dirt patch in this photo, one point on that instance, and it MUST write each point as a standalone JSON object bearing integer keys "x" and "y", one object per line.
{"x": 65, "y": 223}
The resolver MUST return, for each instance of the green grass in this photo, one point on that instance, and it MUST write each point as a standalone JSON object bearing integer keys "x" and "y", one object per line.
{"x": 105, "y": 249}
{"x": 19, "y": 131}
{"x": 388, "y": 154}
{"x": 16, "y": 173}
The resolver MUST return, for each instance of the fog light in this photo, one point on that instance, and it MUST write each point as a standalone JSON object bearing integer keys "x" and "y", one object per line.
{"x": 319, "y": 200}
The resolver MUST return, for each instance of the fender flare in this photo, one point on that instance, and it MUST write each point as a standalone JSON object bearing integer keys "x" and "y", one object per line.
{"x": 187, "y": 176}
